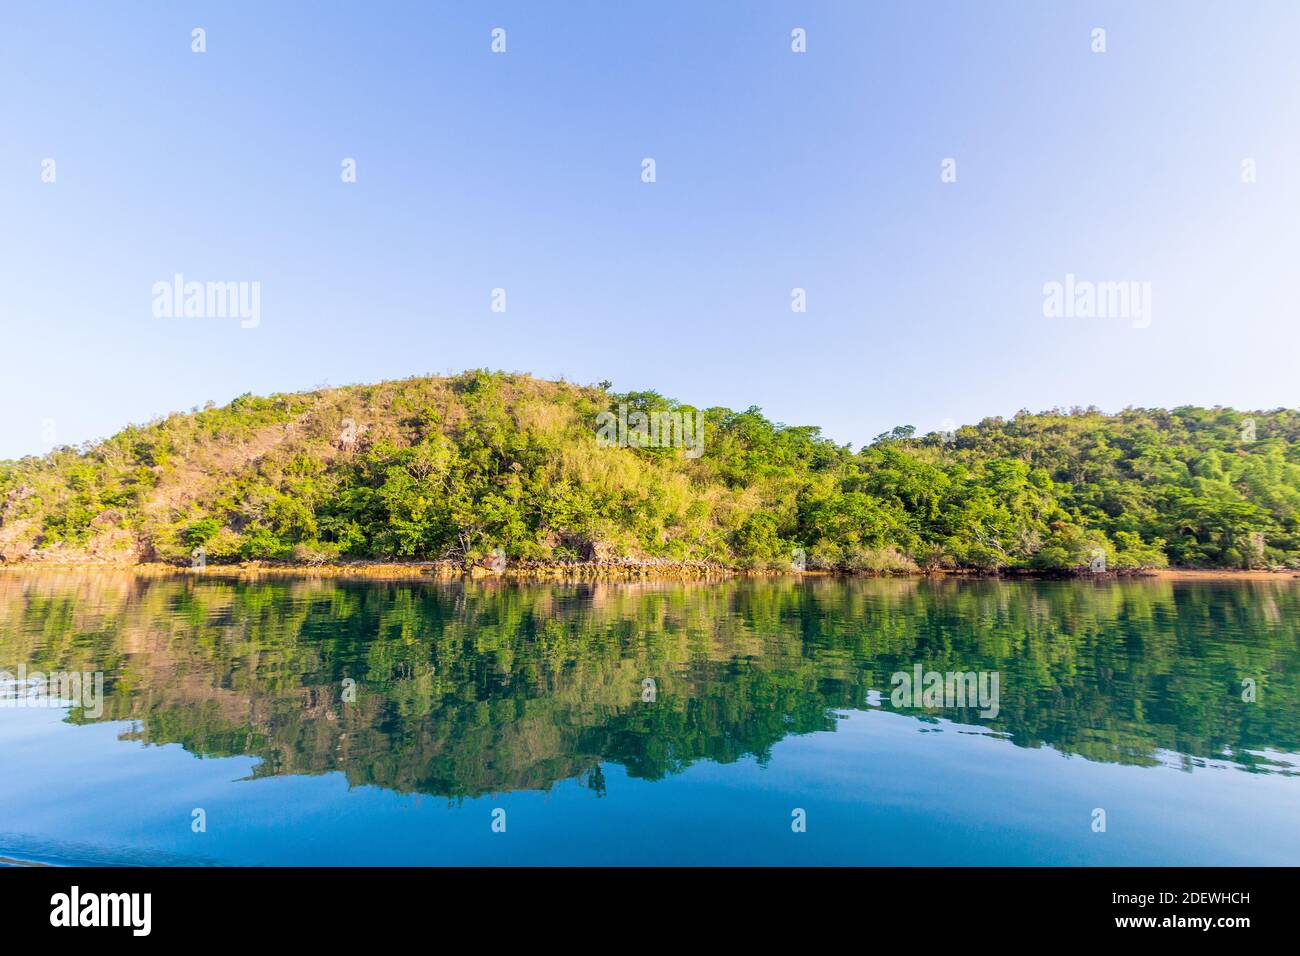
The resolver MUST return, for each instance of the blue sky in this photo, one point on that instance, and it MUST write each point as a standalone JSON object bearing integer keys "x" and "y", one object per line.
{"x": 775, "y": 170}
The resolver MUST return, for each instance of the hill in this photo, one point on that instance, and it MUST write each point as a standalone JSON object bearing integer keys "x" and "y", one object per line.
{"x": 431, "y": 468}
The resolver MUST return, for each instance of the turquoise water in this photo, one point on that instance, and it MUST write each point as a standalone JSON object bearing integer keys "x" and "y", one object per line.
{"x": 650, "y": 724}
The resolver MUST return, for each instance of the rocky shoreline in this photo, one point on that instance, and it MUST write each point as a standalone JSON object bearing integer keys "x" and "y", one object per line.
{"x": 615, "y": 569}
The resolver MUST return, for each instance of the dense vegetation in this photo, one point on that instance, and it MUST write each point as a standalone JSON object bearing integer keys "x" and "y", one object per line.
{"x": 455, "y": 467}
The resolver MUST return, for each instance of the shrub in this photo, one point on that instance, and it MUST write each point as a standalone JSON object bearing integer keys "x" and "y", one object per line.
{"x": 315, "y": 552}
{"x": 878, "y": 560}
{"x": 201, "y": 531}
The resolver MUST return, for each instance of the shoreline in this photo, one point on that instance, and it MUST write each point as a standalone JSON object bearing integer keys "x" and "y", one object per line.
{"x": 1216, "y": 574}
{"x": 609, "y": 571}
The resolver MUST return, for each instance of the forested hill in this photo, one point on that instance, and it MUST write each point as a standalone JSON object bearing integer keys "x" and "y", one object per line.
{"x": 457, "y": 467}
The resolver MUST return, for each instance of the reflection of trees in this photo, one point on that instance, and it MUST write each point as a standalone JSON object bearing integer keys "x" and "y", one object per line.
{"x": 469, "y": 689}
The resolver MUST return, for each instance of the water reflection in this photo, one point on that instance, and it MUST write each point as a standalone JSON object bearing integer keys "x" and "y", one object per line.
{"x": 464, "y": 690}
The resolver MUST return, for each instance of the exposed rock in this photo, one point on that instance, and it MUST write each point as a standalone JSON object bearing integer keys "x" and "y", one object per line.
{"x": 17, "y": 540}
{"x": 586, "y": 547}
{"x": 598, "y": 551}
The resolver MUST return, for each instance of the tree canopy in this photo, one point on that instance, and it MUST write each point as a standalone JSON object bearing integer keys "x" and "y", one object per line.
{"x": 428, "y": 468}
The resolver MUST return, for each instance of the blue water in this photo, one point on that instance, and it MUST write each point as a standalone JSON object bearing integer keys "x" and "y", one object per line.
{"x": 1119, "y": 696}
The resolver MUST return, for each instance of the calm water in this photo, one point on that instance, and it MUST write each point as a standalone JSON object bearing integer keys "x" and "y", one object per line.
{"x": 531, "y": 705}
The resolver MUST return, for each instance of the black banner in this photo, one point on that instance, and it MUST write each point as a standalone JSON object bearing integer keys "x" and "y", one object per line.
{"x": 293, "y": 904}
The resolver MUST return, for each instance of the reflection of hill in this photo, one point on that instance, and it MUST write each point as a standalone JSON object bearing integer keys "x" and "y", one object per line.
{"x": 469, "y": 689}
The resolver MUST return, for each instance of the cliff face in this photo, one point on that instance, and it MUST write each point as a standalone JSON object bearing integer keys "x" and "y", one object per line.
{"x": 485, "y": 467}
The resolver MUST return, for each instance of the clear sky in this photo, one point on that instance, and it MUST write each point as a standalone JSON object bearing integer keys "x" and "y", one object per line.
{"x": 774, "y": 170}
